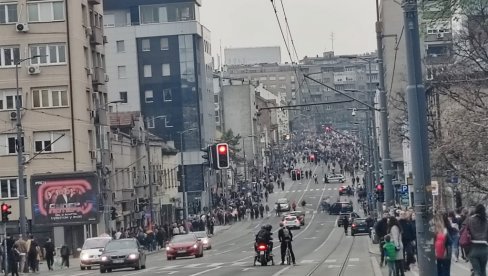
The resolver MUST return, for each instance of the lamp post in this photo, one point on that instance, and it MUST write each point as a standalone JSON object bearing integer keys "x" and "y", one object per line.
{"x": 244, "y": 152}
{"x": 185, "y": 199}
{"x": 20, "y": 149}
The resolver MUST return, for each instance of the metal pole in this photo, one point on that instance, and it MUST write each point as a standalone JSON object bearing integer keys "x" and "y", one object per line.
{"x": 20, "y": 157}
{"x": 100, "y": 168}
{"x": 151, "y": 198}
{"x": 385, "y": 145}
{"x": 375, "y": 137}
{"x": 417, "y": 122}
{"x": 5, "y": 256}
{"x": 185, "y": 201}
{"x": 245, "y": 160}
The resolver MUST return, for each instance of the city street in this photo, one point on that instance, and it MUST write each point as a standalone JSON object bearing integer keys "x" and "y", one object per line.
{"x": 320, "y": 247}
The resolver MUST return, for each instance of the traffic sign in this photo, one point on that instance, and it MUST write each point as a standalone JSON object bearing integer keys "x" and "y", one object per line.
{"x": 404, "y": 189}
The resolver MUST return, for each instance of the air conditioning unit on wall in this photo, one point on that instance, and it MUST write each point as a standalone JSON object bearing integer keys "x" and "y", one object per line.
{"x": 22, "y": 27}
{"x": 33, "y": 70}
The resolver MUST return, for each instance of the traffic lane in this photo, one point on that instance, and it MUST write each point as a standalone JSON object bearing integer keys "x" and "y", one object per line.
{"x": 359, "y": 260}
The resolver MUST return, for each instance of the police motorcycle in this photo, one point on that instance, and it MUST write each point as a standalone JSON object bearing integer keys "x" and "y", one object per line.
{"x": 263, "y": 248}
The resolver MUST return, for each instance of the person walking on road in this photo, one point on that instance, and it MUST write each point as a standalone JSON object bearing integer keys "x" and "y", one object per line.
{"x": 285, "y": 237}
{"x": 345, "y": 224}
{"x": 65, "y": 252}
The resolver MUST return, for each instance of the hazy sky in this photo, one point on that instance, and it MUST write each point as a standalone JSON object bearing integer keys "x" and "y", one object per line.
{"x": 245, "y": 23}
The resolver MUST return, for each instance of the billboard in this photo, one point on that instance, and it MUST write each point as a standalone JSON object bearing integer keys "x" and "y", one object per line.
{"x": 64, "y": 198}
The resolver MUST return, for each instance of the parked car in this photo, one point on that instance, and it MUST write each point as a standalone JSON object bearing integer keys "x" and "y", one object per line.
{"x": 122, "y": 253}
{"x": 184, "y": 246}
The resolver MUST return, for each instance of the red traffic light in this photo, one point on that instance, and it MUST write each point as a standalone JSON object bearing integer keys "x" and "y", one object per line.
{"x": 222, "y": 149}
{"x": 5, "y": 207}
{"x": 379, "y": 187}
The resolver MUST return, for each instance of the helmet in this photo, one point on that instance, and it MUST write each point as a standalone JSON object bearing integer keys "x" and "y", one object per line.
{"x": 281, "y": 224}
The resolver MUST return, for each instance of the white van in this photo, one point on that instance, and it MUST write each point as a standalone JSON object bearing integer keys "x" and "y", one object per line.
{"x": 91, "y": 251}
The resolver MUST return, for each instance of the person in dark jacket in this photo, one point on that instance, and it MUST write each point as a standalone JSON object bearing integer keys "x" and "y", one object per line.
{"x": 345, "y": 224}
{"x": 478, "y": 252}
{"x": 408, "y": 236}
{"x": 381, "y": 230}
{"x": 49, "y": 253}
{"x": 65, "y": 252}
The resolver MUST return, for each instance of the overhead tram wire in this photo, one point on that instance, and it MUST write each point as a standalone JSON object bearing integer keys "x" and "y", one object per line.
{"x": 294, "y": 50}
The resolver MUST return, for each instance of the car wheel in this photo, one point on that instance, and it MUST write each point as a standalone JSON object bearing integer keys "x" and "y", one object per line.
{"x": 168, "y": 258}
{"x": 102, "y": 270}
{"x": 88, "y": 267}
{"x": 143, "y": 266}
{"x": 82, "y": 267}
{"x": 109, "y": 270}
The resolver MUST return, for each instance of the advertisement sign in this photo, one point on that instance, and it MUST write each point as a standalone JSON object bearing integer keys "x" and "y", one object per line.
{"x": 64, "y": 199}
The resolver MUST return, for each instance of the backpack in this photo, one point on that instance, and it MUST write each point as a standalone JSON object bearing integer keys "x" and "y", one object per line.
{"x": 261, "y": 236}
{"x": 442, "y": 245}
{"x": 286, "y": 234}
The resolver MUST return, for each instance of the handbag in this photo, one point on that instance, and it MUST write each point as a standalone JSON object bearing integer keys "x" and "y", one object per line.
{"x": 465, "y": 236}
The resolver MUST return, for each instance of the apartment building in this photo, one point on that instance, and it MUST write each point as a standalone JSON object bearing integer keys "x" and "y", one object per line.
{"x": 159, "y": 63}
{"x": 59, "y": 90}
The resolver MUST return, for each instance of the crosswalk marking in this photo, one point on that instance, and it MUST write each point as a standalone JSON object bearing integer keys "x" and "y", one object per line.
{"x": 287, "y": 191}
{"x": 194, "y": 265}
{"x": 323, "y": 189}
{"x": 238, "y": 264}
{"x": 215, "y": 264}
{"x": 354, "y": 259}
{"x": 329, "y": 189}
{"x": 169, "y": 267}
{"x": 330, "y": 261}
{"x": 307, "y": 261}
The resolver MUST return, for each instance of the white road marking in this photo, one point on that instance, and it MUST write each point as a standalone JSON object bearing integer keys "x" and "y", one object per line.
{"x": 330, "y": 261}
{"x": 354, "y": 259}
{"x": 299, "y": 191}
{"x": 281, "y": 271}
{"x": 311, "y": 238}
{"x": 323, "y": 189}
{"x": 193, "y": 265}
{"x": 329, "y": 189}
{"x": 307, "y": 261}
{"x": 238, "y": 263}
{"x": 333, "y": 266}
{"x": 169, "y": 267}
{"x": 205, "y": 271}
{"x": 287, "y": 191}
{"x": 172, "y": 272}
{"x": 247, "y": 268}
{"x": 293, "y": 191}
{"x": 215, "y": 264}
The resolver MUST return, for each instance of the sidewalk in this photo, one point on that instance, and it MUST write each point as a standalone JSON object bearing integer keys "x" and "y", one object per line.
{"x": 460, "y": 268}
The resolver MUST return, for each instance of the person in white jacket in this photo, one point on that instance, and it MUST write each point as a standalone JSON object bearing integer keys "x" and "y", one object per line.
{"x": 396, "y": 238}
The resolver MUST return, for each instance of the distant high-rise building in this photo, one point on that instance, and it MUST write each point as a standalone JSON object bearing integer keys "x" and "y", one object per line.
{"x": 159, "y": 60}
{"x": 252, "y": 55}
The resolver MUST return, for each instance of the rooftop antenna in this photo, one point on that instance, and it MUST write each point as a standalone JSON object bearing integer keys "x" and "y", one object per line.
{"x": 332, "y": 40}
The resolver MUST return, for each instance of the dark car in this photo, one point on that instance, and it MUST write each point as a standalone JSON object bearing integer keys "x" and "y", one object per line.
{"x": 123, "y": 253}
{"x": 359, "y": 225}
{"x": 340, "y": 207}
{"x": 350, "y": 216}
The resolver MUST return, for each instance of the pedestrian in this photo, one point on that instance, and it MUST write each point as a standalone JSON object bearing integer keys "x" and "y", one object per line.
{"x": 443, "y": 247}
{"x": 22, "y": 247}
{"x": 345, "y": 224}
{"x": 33, "y": 254}
{"x": 381, "y": 229}
{"x": 14, "y": 261}
{"x": 49, "y": 252}
{"x": 389, "y": 250}
{"x": 65, "y": 252}
{"x": 396, "y": 238}
{"x": 454, "y": 235}
{"x": 477, "y": 226}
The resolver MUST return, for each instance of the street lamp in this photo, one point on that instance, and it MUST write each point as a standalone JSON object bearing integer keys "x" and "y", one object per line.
{"x": 20, "y": 149}
{"x": 244, "y": 152}
{"x": 185, "y": 201}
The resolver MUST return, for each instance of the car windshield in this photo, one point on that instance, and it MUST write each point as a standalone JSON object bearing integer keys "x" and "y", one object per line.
{"x": 200, "y": 234}
{"x": 282, "y": 200}
{"x": 95, "y": 243}
{"x": 121, "y": 244}
{"x": 290, "y": 218}
{"x": 359, "y": 220}
{"x": 183, "y": 238}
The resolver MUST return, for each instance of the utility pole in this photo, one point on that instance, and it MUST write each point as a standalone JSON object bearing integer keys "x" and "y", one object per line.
{"x": 183, "y": 183}
{"x": 107, "y": 195}
{"x": 150, "y": 180}
{"x": 385, "y": 143}
{"x": 417, "y": 122}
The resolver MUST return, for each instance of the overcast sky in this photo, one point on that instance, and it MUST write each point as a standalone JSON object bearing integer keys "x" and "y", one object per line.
{"x": 249, "y": 23}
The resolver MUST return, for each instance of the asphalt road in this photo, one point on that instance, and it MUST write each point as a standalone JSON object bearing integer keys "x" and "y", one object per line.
{"x": 321, "y": 248}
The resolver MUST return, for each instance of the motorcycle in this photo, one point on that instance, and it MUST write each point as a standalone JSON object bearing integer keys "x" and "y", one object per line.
{"x": 263, "y": 255}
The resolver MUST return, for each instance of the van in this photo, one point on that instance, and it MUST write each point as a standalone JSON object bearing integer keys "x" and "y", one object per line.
{"x": 91, "y": 251}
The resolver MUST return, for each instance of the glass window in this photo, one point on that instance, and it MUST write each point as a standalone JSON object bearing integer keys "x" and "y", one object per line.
{"x": 167, "y": 95}
{"x": 49, "y": 97}
{"x": 8, "y": 13}
{"x": 164, "y": 43}
{"x": 109, "y": 20}
{"x": 147, "y": 71}
{"x": 45, "y": 11}
{"x": 148, "y": 95}
{"x": 123, "y": 96}
{"x": 120, "y": 46}
{"x": 121, "y": 72}
{"x": 149, "y": 14}
{"x": 146, "y": 45}
{"x": 166, "y": 70}
{"x": 58, "y": 11}
{"x": 8, "y": 56}
{"x": 50, "y": 54}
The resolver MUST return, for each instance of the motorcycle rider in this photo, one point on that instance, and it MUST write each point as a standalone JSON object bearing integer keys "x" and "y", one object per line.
{"x": 286, "y": 237}
{"x": 265, "y": 236}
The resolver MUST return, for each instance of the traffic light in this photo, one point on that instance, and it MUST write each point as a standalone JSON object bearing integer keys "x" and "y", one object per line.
{"x": 380, "y": 192}
{"x": 113, "y": 213}
{"x": 207, "y": 156}
{"x": 6, "y": 211}
{"x": 222, "y": 161}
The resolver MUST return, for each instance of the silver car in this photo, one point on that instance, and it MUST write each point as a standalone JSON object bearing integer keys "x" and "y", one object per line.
{"x": 284, "y": 204}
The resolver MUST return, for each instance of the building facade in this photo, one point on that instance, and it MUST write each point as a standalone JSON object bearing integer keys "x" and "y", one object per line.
{"x": 252, "y": 55}
{"x": 60, "y": 90}
{"x": 159, "y": 60}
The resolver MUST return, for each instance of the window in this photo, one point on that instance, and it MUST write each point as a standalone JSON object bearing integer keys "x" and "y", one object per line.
{"x": 262, "y": 78}
{"x": 11, "y": 143}
{"x": 272, "y": 78}
{"x": 7, "y": 100}
{"x": 8, "y": 13}
{"x": 150, "y": 122}
{"x": 121, "y": 72}
{"x": 8, "y": 55}
{"x": 166, "y": 122}
{"x": 46, "y": 11}
{"x": 216, "y": 99}
{"x": 166, "y": 70}
{"x": 153, "y": 14}
{"x": 164, "y": 44}
{"x": 123, "y": 96}
{"x": 148, "y": 96}
{"x": 167, "y": 95}
{"x": 50, "y": 54}
{"x": 120, "y": 46}
{"x": 49, "y": 97}
{"x": 9, "y": 187}
{"x": 147, "y": 71}
{"x": 51, "y": 141}
{"x": 146, "y": 45}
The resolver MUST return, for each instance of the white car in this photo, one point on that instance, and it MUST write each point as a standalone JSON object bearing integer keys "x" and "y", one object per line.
{"x": 91, "y": 251}
{"x": 292, "y": 222}
{"x": 336, "y": 178}
{"x": 284, "y": 205}
{"x": 205, "y": 239}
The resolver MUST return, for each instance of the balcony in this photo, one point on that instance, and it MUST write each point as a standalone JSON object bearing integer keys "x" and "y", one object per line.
{"x": 96, "y": 36}
{"x": 94, "y": 2}
{"x": 98, "y": 77}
